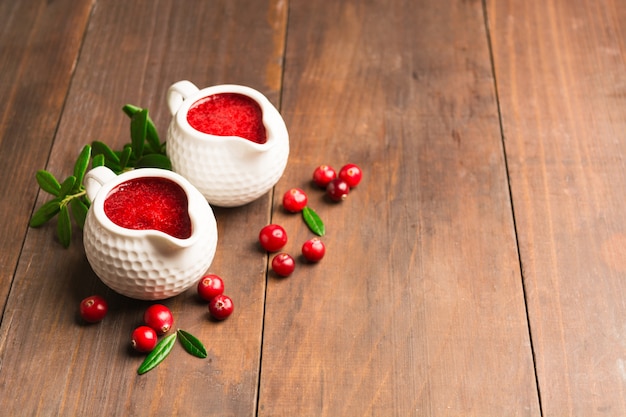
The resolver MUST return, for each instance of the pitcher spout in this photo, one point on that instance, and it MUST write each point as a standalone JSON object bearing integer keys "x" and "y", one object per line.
{"x": 165, "y": 243}
{"x": 241, "y": 147}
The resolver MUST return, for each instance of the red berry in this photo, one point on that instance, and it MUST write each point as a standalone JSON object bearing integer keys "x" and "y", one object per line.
{"x": 272, "y": 237}
{"x": 313, "y": 250}
{"x": 159, "y": 317}
{"x": 295, "y": 200}
{"x": 143, "y": 339}
{"x": 210, "y": 286}
{"x": 283, "y": 264}
{"x": 323, "y": 174}
{"x": 221, "y": 307}
{"x": 337, "y": 189}
{"x": 351, "y": 174}
{"x": 93, "y": 309}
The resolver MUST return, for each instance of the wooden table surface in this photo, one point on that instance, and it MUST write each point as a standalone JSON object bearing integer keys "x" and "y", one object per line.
{"x": 478, "y": 269}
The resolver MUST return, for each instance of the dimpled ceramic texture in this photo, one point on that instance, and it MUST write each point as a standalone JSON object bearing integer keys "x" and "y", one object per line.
{"x": 147, "y": 264}
{"x": 228, "y": 170}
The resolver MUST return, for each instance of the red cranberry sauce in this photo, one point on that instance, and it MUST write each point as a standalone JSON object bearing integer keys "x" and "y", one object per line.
{"x": 150, "y": 203}
{"x": 228, "y": 114}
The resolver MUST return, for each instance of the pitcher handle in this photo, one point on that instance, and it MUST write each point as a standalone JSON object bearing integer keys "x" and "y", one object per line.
{"x": 179, "y": 92}
{"x": 95, "y": 179}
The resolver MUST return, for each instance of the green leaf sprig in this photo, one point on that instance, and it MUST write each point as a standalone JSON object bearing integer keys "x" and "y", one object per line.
{"x": 189, "y": 342}
{"x": 70, "y": 197}
{"x": 158, "y": 354}
{"x": 144, "y": 150}
{"x": 313, "y": 221}
{"x": 70, "y": 194}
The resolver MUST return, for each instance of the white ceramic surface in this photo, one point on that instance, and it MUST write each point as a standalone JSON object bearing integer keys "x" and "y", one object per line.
{"x": 146, "y": 264}
{"x": 228, "y": 170}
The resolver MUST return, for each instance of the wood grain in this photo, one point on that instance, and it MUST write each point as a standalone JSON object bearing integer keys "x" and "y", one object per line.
{"x": 477, "y": 270}
{"x": 417, "y": 308}
{"x": 561, "y": 80}
{"x": 39, "y": 42}
{"x": 132, "y": 52}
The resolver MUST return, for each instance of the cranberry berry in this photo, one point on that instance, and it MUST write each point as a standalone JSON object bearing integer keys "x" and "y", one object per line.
{"x": 93, "y": 309}
{"x": 159, "y": 317}
{"x": 295, "y": 200}
{"x": 273, "y": 237}
{"x": 221, "y": 307}
{"x": 283, "y": 264}
{"x": 313, "y": 250}
{"x": 351, "y": 174}
{"x": 337, "y": 189}
{"x": 210, "y": 286}
{"x": 323, "y": 174}
{"x": 144, "y": 339}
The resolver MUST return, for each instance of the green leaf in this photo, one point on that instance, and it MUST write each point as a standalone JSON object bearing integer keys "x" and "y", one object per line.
{"x": 138, "y": 132}
{"x": 154, "y": 143}
{"x": 67, "y": 186}
{"x": 160, "y": 352}
{"x": 100, "y": 148}
{"x": 192, "y": 344}
{"x": 80, "y": 167}
{"x": 45, "y": 213}
{"x": 131, "y": 109}
{"x": 79, "y": 210}
{"x": 113, "y": 166}
{"x": 98, "y": 161}
{"x": 154, "y": 160}
{"x": 48, "y": 182}
{"x": 314, "y": 221}
{"x": 64, "y": 227}
{"x": 153, "y": 136}
{"x": 125, "y": 156}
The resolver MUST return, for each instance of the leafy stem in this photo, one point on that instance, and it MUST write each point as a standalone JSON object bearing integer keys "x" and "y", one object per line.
{"x": 70, "y": 196}
{"x": 68, "y": 199}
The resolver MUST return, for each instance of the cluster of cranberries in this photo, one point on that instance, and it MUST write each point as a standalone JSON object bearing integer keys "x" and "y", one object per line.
{"x": 273, "y": 237}
{"x": 337, "y": 185}
{"x": 211, "y": 289}
{"x": 158, "y": 320}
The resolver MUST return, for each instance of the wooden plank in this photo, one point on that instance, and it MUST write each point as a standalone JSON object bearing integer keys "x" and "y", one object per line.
{"x": 132, "y": 53}
{"x": 34, "y": 78}
{"x": 417, "y": 307}
{"x": 560, "y": 67}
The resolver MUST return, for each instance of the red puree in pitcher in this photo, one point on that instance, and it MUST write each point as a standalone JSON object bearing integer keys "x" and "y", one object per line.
{"x": 228, "y": 114}
{"x": 150, "y": 203}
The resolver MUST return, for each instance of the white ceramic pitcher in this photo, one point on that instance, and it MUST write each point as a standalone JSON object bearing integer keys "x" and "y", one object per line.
{"x": 228, "y": 170}
{"x": 146, "y": 264}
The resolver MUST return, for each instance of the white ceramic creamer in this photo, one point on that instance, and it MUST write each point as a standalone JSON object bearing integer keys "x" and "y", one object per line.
{"x": 228, "y": 170}
{"x": 146, "y": 264}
